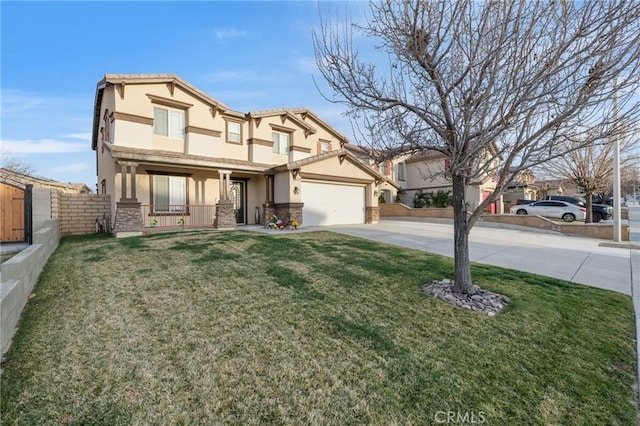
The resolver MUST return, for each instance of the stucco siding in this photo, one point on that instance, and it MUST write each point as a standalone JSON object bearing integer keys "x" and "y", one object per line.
{"x": 333, "y": 167}
{"x": 426, "y": 175}
{"x": 205, "y": 145}
{"x": 135, "y": 135}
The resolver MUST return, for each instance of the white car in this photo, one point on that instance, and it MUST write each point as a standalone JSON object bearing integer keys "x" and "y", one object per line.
{"x": 553, "y": 209}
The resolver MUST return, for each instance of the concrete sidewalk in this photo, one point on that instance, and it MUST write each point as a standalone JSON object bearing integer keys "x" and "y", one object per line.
{"x": 576, "y": 259}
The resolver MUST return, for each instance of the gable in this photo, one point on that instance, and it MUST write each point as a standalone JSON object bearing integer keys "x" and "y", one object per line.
{"x": 337, "y": 166}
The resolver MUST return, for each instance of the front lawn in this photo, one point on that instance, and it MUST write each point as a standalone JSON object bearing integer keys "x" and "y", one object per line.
{"x": 307, "y": 328}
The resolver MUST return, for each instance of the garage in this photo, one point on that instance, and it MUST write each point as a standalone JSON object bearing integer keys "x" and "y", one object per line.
{"x": 332, "y": 204}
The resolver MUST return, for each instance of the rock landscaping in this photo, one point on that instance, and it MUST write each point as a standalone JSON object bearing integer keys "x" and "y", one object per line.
{"x": 482, "y": 301}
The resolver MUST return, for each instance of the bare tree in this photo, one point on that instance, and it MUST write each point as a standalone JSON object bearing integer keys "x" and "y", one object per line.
{"x": 10, "y": 165}
{"x": 630, "y": 179}
{"x": 591, "y": 168}
{"x": 491, "y": 85}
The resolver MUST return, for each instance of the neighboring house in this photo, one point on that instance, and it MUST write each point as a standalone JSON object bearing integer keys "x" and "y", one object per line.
{"x": 169, "y": 153}
{"x": 523, "y": 187}
{"x": 526, "y": 187}
{"x": 20, "y": 180}
{"x": 14, "y": 224}
{"x": 408, "y": 174}
{"x": 427, "y": 172}
{"x": 557, "y": 187}
{"x": 390, "y": 187}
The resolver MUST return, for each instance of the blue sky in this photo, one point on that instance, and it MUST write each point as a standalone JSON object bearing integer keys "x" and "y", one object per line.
{"x": 249, "y": 55}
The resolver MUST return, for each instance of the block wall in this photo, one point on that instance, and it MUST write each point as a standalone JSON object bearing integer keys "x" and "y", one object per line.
{"x": 77, "y": 213}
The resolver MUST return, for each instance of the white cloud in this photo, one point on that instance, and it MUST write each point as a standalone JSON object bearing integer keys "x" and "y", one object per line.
{"x": 72, "y": 168}
{"x": 82, "y": 136}
{"x": 16, "y": 102}
{"x": 230, "y": 33}
{"x": 86, "y": 136}
{"x": 41, "y": 146}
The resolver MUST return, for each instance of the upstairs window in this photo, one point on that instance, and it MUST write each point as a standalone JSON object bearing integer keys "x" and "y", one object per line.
{"x": 280, "y": 143}
{"x": 168, "y": 122}
{"x": 324, "y": 147}
{"x": 400, "y": 171}
{"x": 234, "y": 132}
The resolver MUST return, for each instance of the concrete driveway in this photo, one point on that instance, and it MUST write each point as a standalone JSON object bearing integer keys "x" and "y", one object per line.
{"x": 576, "y": 259}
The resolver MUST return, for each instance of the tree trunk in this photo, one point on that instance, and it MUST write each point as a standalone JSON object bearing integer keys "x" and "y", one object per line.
{"x": 463, "y": 283}
{"x": 588, "y": 198}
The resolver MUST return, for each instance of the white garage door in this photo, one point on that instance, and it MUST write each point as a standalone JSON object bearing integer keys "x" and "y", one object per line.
{"x": 331, "y": 204}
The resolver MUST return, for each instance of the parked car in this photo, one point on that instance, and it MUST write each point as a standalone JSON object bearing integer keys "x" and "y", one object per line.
{"x": 522, "y": 201}
{"x": 598, "y": 211}
{"x": 552, "y": 209}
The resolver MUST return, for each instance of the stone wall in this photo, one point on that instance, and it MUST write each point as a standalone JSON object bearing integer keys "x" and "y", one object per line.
{"x": 592, "y": 230}
{"x": 389, "y": 210}
{"x": 19, "y": 277}
{"x": 77, "y": 213}
{"x": 42, "y": 208}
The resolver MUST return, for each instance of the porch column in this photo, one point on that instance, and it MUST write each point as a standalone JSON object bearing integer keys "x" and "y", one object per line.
{"x": 225, "y": 183}
{"x": 128, "y": 169}
{"x": 128, "y": 220}
{"x": 268, "y": 209}
{"x": 225, "y": 214}
{"x": 123, "y": 188}
{"x": 133, "y": 181}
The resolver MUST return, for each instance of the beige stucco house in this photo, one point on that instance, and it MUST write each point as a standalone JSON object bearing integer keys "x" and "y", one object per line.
{"x": 171, "y": 155}
{"x": 527, "y": 187}
{"x": 409, "y": 173}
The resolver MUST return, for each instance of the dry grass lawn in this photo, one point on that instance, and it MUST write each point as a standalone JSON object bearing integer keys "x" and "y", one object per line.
{"x": 309, "y": 328}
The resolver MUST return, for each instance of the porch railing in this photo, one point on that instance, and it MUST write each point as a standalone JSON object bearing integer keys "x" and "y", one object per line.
{"x": 177, "y": 216}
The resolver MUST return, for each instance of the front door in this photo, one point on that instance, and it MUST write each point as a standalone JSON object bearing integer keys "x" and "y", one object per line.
{"x": 237, "y": 195}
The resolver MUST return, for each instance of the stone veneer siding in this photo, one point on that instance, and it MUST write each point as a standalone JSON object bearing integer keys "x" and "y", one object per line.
{"x": 225, "y": 215}
{"x": 128, "y": 217}
{"x": 373, "y": 215}
{"x": 268, "y": 210}
{"x": 289, "y": 211}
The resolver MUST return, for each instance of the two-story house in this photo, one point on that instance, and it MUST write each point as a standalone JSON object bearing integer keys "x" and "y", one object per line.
{"x": 171, "y": 155}
{"x": 410, "y": 173}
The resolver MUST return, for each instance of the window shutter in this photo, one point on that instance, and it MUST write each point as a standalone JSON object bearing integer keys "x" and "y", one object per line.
{"x": 447, "y": 165}
{"x": 319, "y": 147}
{"x": 387, "y": 168}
